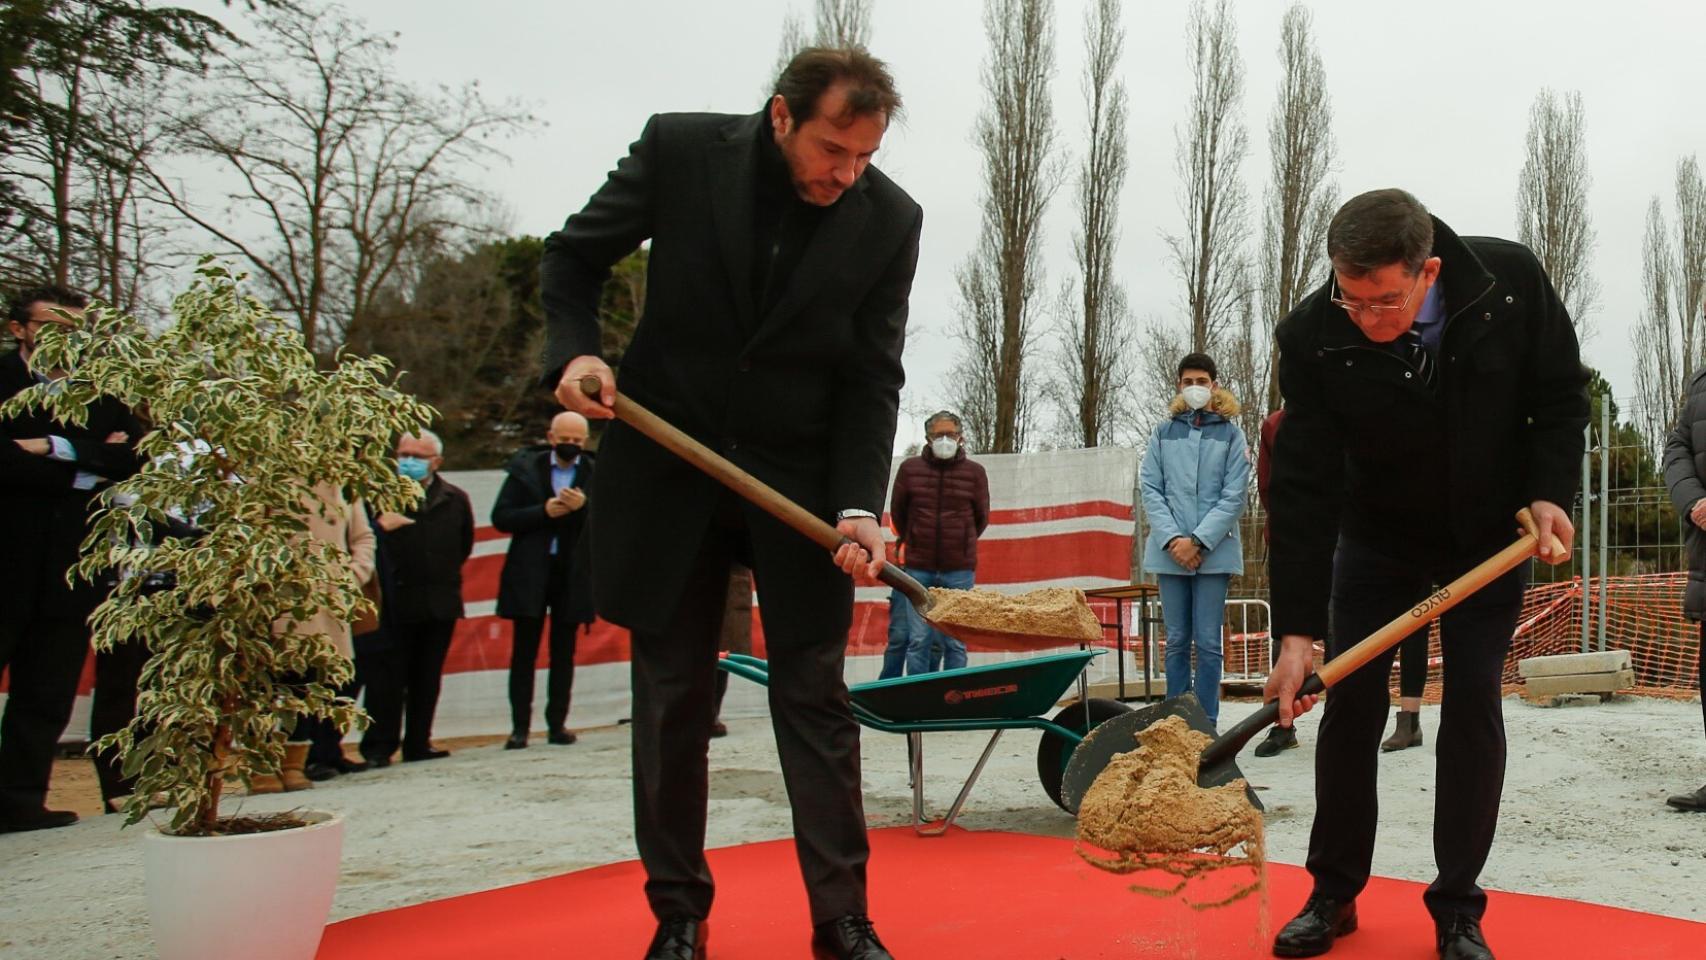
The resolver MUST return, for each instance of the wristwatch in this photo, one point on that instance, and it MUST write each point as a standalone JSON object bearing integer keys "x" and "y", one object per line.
{"x": 853, "y": 515}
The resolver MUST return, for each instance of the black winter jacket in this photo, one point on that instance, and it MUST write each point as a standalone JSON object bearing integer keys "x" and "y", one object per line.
{"x": 426, "y": 557}
{"x": 1685, "y": 475}
{"x": 1434, "y": 478}
{"x": 524, "y": 587}
{"x": 45, "y": 516}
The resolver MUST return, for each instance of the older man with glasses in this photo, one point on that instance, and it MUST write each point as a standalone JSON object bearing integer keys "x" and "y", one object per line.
{"x": 939, "y": 507}
{"x": 1432, "y": 386}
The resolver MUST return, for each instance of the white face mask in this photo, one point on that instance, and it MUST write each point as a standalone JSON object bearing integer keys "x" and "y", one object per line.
{"x": 1196, "y": 396}
{"x": 944, "y": 447}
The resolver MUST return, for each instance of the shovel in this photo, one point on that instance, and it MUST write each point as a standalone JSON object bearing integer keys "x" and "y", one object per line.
{"x": 766, "y": 498}
{"x": 1218, "y": 764}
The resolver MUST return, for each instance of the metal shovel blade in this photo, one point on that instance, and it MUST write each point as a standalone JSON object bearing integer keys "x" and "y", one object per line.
{"x": 1119, "y": 735}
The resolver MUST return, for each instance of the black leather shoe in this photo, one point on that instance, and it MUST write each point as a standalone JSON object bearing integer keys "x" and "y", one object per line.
{"x": 561, "y": 736}
{"x": 319, "y": 772}
{"x": 346, "y": 765}
{"x": 21, "y": 821}
{"x": 516, "y": 741}
{"x": 1312, "y": 932}
{"x": 430, "y": 753}
{"x": 1279, "y": 738}
{"x": 848, "y": 938}
{"x": 376, "y": 761}
{"x": 679, "y": 939}
{"x": 719, "y": 729}
{"x": 1695, "y": 801}
{"x": 1460, "y": 939}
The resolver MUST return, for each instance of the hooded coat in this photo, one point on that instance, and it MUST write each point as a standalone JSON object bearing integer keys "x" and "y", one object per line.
{"x": 1194, "y": 479}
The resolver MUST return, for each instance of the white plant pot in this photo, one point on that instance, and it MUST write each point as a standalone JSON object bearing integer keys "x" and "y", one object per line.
{"x": 261, "y": 896}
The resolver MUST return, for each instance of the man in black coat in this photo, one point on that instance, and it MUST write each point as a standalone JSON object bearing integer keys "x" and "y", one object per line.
{"x": 1685, "y": 476}
{"x": 50, "y": 473}
{"x": 542, "y": 506}
{"x": 1433, "y": 387}
{"x": 780, "y": 268}
{"x": 421, "y": 602}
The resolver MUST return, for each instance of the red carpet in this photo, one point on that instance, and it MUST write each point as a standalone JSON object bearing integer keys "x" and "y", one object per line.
{"x": 990, "y": 896}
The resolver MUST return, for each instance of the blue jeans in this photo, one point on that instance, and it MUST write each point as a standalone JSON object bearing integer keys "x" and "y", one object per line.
{"x": 900, "y": 635}
{"x": 925, "y": 638}
{"x": 1194, "y": 608}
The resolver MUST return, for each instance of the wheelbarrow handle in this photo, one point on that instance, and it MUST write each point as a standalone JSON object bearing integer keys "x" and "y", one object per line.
{"x": 749, "y": 487}
{"x": 1416, "y": 618}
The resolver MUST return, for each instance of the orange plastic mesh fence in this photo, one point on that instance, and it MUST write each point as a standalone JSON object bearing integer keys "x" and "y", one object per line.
{"x": 1643, "y": 615}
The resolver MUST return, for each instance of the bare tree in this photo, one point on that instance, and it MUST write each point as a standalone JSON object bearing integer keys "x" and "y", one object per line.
{"x": 843, "y": 23}
{"x": 345, "y": 169}
{"x": 792, "y": 42}
{"x": 1000, "y": 279}
{"x": 68, "y": 73}
{"x": 1209, "y": 256}
{"x": 1552, "y": 203}
{"x": 1299, "y": 200}
{"x": 1668, "y": 337}
{"x": 1096, "y": 358}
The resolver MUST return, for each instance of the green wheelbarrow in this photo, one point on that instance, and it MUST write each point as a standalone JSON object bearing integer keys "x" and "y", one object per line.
{"x": 1014, "y": 695}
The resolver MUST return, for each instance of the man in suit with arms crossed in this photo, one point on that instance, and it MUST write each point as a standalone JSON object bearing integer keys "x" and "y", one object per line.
{"x": 780, "y": 267}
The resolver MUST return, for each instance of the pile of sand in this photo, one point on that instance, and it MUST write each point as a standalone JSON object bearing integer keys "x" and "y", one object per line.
{"x": 1051, "y": 612}
{"x": 1146, "y": 812}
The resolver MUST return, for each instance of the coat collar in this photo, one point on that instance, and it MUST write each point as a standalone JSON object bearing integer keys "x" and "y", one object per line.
{"x": 1221, "y": 402}
{"x": 734, "y": 169}
{"x": 1463, "y": 278}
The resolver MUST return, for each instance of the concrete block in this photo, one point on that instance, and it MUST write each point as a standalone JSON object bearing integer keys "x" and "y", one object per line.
{"x": 1609, "y": 661}
{"x": 1581, "y": 683}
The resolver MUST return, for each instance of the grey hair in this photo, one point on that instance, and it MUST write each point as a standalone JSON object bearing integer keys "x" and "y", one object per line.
{"x": 943, "y": 415}
{"x": 429, "y": 437}
{"x": 1377, "y": 229}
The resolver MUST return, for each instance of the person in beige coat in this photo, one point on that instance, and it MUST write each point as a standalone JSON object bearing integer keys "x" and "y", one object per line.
{"x": 343, "y": 524}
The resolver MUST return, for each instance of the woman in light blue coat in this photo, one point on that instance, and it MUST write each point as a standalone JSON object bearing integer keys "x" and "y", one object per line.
{"x": 1194, "y": 478}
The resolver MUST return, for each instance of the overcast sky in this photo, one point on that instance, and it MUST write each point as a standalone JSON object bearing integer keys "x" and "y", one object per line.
{"x": 1432, "y": 97}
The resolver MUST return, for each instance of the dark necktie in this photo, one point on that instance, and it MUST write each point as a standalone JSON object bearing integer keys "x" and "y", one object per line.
{"x": 1415, "y": 353}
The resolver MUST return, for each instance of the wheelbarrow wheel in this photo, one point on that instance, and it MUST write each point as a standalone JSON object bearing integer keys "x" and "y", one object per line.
{"x": 1054, "y": 750}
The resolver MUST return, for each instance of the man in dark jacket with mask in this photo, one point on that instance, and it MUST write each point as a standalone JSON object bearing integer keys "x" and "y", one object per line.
{"x": 939, "y": 508}
{"x": 1433, "y": 387}
{"x": 542, "y": 506}
{"x": 425, "y": 549}
{"x": 1685, "y": 475}
{"x": 50, "y": 473}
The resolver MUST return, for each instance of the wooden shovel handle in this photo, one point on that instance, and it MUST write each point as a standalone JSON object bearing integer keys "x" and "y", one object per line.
{"x": 1436, "y": 604}
{"x": 1227, "y": 745}
{"x": 749, "y": 487}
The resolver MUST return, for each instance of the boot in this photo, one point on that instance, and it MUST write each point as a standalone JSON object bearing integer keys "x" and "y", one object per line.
{"x": 292, "y": 773}
{"x": 265, "y": 783}
{"x": 1407, "y": 733}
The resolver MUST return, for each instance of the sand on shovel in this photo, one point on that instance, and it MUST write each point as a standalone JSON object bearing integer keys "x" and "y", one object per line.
{"x": 1050, "y": 612}
{"x": 1145, "y": 813}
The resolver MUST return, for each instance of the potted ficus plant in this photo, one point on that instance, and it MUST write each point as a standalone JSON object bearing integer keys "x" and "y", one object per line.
{"x": 247, "y": 432}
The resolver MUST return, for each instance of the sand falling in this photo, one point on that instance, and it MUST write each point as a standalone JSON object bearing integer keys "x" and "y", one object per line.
{"x": 1145, "y": 813}
{"x": 1051, "y": 612}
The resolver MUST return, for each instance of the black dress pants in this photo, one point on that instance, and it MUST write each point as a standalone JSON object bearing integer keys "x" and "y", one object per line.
{"x": 1369, "y": 590}
{"x": 113, "y": 707}
{"x": 403, "y": 686}
{"x": 525, "y": 633}
{"x": 674, "y": 686}
{"x": 43, "y": 659}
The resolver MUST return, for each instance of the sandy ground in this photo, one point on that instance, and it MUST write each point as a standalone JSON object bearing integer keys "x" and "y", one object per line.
{"x": 1583, "y": 818}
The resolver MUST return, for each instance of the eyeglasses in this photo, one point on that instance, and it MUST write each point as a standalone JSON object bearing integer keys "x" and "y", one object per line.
{"x": 1374, "y": 309}
{"x": 952, "y": 435}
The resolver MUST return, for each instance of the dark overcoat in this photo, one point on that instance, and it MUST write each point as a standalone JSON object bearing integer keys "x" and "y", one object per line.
{"x": 803, "y": 396}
